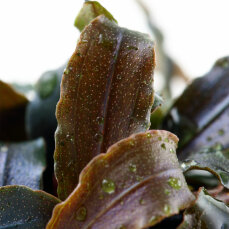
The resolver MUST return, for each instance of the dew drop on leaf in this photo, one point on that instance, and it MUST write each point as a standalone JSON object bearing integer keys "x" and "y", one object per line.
{"x": 108, "y": 186}
{"x": 174, "y": 183}
{"x": 81, "y": 214}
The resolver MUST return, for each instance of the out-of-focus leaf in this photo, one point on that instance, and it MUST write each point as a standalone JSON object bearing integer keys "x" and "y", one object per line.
{"x": 90, "y": 11}
{"x": 201, "y": 104}
{"x": 21, "y": 207}
{"x": 137, "y": 183}
{"x": 213, "y": 160}
{"x": 22, "y": 163}
{"x": 12, "y": 114}
{"x": 106, "y": 95}
{"x": 206, "y": 213}
{"x": 216, "y": 133}
{"x": 40, "y": 116}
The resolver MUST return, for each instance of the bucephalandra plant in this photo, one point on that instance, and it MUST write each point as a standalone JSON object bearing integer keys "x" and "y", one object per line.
{"x": 112, "y": 170}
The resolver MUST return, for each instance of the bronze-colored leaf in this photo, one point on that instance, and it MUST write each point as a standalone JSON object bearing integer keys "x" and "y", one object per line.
{"x": 21, "y": 207}
{"x": 206, "y": 213}
{"x": 90, "y": 11}
{"x": 12, "y": 114}
{"x": 213, "y": 160}
{"x": 106, "y": 95}
{"x": 137, "y": 183}
{"x": 201, "y": 104}
{"x": 22, "y": 163}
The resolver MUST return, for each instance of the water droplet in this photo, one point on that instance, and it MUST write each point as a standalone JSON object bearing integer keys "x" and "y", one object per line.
{"x": 217, "y": 146}
{"x": 163, "y": 146}
{"x": 66, "y": 71}
{"x": 221, "y": 132}
{"x": 174, "y": 183}
{"x": 100, "y": 120}
{"x": 167, "y": 192}
{"x": 99, "y": 137}
{"x": 209, "y": 139}
{"x": 108, "y": 186}
{"x": 122, "y": 227}
{"x": 141, "y": 201}
{"x": 160, "y": 138}
{"x": 167, "y": 209}
{"x": 100, "y": 38}
{"x": 171, "y": 150}
{"x": 132, "y": 47}
{"x": 81, "y": 214}
{"x": 132, "y": 168}
{"x": 131, "y": 142}
{"x": 149, "y": 135}
{"x": 166, "y": 140}
{"x": 119, "y": 77}
{"x": 153, "y": 219}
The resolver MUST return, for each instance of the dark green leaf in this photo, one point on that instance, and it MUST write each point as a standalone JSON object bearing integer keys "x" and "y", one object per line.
{"x": 136, "y": 184}
{"x": 21, "y": 207}
{"x": 106, "y": 95}
{"x": 201, "y": 103}
{"x": 213, "y": 160}
{"x": 22, "y": 163}
{"x": 206, "y": 213}
{"x": 90, "y": 11}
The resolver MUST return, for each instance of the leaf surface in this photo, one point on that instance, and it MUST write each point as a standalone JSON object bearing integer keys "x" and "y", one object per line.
{"x": 207, "y": 212}
{"x": 201, "y": 104}
{"x": 21, "y": 207}
{"x": 22, "y": 163}
{"x": 137, "y": 183}
{"x": 90, "y": 11}
{"x": 106, "y": 95}
{"x": 12, "y": 114}
{"x": 213, "y": 160}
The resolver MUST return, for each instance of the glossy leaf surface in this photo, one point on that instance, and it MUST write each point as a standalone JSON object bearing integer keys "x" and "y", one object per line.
{"x": 106, "y": 95}
{"x": 90, "y": 11}
{"x": 21, "y": 207}
{"x": 206, "y": 213}
{"x": 213, "y": 160}
{"x": 137, "y": 183}
{"x": 12, "y": 114}
{"x": 201, "y": 103}
{"x": 22, "y": 163}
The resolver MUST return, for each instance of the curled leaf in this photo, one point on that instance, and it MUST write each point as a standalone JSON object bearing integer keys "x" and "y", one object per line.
{"x": 207, "y": 212}
{"x": 21, "y": 207}
{"x": 12, "y": 114}
{"x": 200, "y": 104}
{"x": 213, "y": 160}
{"x": 90, "y": 11}
{"x": 137, "y": 183}
{"x": 106, "y": 95}
{"x": 22, "y": 163}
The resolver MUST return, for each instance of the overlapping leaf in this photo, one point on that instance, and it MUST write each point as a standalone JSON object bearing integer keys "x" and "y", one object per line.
{"x": 201, "y": 104}
{"x": 89, "y": 11}
{"x": 206, "y": 213}
{"x": 106, "y": 95}
{"x": 22, "y": 163}
{"x": 12, "y": 114}
{"x": 213, "y": 160}
{"x": 21, "y": 207}
{"x": 137, "y": 183}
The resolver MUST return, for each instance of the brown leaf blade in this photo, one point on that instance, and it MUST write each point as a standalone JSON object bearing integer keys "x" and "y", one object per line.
{"x": 21, "y": 207}
{"x": 137, "y": 183}
{"x": 106, "y": 95}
